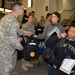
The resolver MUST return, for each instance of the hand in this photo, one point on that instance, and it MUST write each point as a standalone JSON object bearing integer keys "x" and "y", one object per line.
{"x": 63, "y": 35}
{"x": 22, "y": 48}
{"x": 35, "y": 36}
{"x": 67, "y": 27}
{"x": 28, "y": 33}
{"x": 20, "y": 38}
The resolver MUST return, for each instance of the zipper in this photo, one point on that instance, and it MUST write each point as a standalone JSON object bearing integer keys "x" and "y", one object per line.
{"x": 66, "y": 47}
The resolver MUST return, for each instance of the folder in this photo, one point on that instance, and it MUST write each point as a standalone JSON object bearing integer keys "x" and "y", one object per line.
{"x": 67, "y": 65}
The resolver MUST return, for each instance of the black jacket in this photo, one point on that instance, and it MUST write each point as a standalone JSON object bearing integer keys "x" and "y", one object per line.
{"x": 62, "y": 51}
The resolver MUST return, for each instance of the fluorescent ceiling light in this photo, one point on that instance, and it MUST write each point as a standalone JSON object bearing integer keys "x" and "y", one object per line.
{"x": 29, "y": 3}
{"x": 2, "y": 9}
{"x": 7, "y": 10}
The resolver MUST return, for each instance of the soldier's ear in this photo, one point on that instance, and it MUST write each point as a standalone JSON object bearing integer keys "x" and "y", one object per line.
{"x": 18, "y": 10}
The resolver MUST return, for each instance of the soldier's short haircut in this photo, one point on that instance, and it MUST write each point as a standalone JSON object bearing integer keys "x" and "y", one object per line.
{"x": 48, "y": 14}
{"x": 16, "y": 6}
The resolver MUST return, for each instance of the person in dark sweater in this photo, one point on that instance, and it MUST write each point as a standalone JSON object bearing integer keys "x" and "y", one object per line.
{"x": 64, "y": 50}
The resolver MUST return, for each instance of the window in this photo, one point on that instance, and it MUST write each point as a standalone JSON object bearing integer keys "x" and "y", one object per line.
{"x": 10, "y": 0}
{"x": 30, "y": 3}
{"x": 7, "y": 10}
{"x": 1, "y": 9}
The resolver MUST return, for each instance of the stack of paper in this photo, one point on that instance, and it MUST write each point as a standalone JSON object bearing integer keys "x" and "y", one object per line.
{"x": 53, "y": 31}
{"x": 67, "y": 65}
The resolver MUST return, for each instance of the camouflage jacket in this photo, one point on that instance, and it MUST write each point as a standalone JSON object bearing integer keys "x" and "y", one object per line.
{"x": 8, "y": 32}
{"x": 28, "y": 27}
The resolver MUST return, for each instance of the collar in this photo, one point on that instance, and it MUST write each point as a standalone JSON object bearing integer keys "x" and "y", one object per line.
{"x": 70, "y": 39}
{"x": 54, "y": 23}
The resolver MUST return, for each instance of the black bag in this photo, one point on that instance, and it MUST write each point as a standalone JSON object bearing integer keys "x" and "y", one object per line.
{"x": 31, "y": 49}
{"x": 48, "y": 55}
{"x": 39, "y": 30}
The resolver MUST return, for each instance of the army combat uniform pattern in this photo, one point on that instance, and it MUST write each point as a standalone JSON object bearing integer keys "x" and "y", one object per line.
{"x": 41, "y": 23}
{"x": 34, "y": 21}
{"x": 46, "y": 23}
{"x": 9, "y": 42}
{"x": 28, "y": 27}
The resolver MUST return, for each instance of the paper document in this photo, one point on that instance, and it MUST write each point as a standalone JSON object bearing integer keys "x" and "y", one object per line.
{"x": 54, "y": 30}
{"x": 67, "y": 65}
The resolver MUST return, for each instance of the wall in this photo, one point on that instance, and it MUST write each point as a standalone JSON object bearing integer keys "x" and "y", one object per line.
{"x": 40, "y": 8}
{"x": 0, "y": 3}
{"x": 31, "y": 8}
{"x": 66, "y": 5}
{"x": 46, "y": 3}
{"x": 60, "y": 5}
{"x": 53, "y": 5}
{"x": 25, "y": 3}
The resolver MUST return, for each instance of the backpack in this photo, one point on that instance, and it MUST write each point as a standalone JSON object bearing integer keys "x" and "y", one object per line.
{"x": 31, "y": 49}
{"x": 52, "y": 43}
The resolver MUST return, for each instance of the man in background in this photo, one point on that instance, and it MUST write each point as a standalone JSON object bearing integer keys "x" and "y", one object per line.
{"x": 42, "y": 21}
{"x": 34, "y": 19}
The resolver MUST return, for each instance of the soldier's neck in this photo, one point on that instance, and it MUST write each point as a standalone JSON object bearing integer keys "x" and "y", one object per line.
{"x": 15, "y": 14}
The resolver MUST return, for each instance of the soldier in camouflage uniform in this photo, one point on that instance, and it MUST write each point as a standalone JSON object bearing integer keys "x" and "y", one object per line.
{"x": 28, "y": 26}
{"x": 42, "y": 21}
{"x": 48, "y": 19}
{"x": 9, "y": 40}
{"x": 34, "y": 19}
